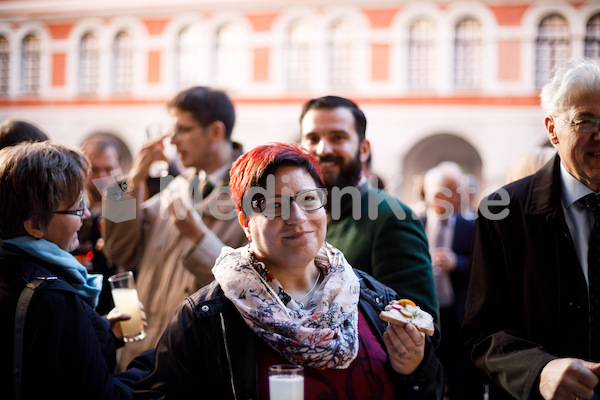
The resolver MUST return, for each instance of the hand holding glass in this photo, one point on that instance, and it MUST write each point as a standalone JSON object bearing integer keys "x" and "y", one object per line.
{"x": 286, "y": 382}
{"x": 126, "y": 300}
{"x": 158, "y": 168}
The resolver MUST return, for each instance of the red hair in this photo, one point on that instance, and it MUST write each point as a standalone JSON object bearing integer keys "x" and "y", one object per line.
{"x": 252, "y": 168}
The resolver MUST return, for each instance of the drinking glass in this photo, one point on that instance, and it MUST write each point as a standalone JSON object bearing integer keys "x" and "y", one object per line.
{"x": 158, "y": 168}
{"x": 126, "y": 300}
{"x": 286, "y": 382}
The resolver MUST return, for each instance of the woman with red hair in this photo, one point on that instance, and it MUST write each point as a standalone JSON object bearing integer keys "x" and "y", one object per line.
{"x": 288, "y": 297}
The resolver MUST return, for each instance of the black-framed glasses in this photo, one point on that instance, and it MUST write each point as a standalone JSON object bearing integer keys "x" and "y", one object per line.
{"x": 79, "y": 212}
{"x": 180, "y": 130}
{"x": 584, "y": 126}
{"x": 307, "y": 200}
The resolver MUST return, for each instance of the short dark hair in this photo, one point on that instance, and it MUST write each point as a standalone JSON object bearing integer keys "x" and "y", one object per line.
{"x": 252, "y": 168}
{"x": 99, "y": 144}
{"x": 332, "y": 102}
{"x": 207, "y": 105}
{"x": 14, "y": 131}
{"x": 35, "y": 178}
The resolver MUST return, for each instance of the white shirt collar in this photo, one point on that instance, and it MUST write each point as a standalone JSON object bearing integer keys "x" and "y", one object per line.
{"x": 572, "y": 189}
{"x": 216, "y": 177}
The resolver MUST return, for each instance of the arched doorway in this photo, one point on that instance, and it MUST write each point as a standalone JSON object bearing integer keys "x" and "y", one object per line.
{"x": 428, "y": 153}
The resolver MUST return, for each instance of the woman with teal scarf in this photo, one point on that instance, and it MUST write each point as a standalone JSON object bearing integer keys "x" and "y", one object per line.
{"x": 68, "y": 349}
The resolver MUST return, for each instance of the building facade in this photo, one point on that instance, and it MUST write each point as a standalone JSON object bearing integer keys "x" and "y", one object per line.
{"x": 438, "y": 80}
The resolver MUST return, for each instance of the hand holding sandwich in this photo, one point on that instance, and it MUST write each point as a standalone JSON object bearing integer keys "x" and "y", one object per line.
{"x": 405, "y": 335}
{"x": 406, "y": 347}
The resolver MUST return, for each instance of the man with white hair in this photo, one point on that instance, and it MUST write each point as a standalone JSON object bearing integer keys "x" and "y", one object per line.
{"x": 533, "y": 308}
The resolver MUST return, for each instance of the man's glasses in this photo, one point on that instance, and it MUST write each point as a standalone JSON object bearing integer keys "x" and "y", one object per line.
{"x": 584, "y": 126}
{"x": 180, "y": 130}
{"x": 307, "y": 200}
{"x": 79, "y": 212}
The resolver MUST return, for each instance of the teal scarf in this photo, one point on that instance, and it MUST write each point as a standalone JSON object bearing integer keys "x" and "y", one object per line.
{"x": 87, "y": 285}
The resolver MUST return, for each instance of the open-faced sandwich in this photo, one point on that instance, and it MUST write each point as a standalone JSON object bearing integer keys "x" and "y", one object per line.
{"x": 405, "y": 311}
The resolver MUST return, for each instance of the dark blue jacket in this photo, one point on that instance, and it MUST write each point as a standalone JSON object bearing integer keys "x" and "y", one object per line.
{"x": 461, "y": 246}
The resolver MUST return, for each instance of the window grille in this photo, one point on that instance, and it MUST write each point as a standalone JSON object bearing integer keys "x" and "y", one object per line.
{"x": 467, "y": 54}
{"x": 187, "y": 57}
{"x": 342, "y": 42}
{"x": 592, "y": 37}
{"x": 552, "y": 46}
{"x": 31, "y": 64}
{"x": 123, "y": 63}
{"x": 89, "y": 54}
{"x": 228, "y": 67}
{"x": 421, "y": 55}
{"x": 299, "y": 55}
{"x": 4, "y": 65}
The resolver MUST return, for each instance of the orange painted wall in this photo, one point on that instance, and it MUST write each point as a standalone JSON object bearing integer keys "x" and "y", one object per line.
{"x": 60, "y": 31}
{"x": 508, "y": 15}
{"x": 155, "y": 27}
{"x": 154, "y": 66}
{"x": 59, "y": 62}
{"x": 381, "y": 18}
{"x": 261, "y": 22}
{"x": 261, "y": 64}
{"x": 509, "y": 52}
{"x": 379, "y": 62}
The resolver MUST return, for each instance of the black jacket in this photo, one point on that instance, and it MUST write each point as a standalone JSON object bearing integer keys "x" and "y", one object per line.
{"x": 208, "y": 350}
{"x": 69, "y": 350}
{"x": 527, "y": 301}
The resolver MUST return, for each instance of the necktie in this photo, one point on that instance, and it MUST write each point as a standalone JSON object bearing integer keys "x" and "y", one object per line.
{"x": 207, "y": 187}
{"x": 441, "y": 236}
{"x": 591, "y": 201}
{"x": 200, "y": 186}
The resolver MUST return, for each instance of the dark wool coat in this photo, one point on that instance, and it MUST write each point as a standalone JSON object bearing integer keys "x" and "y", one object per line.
{"x": 68, "y": 348}
{"x": 527, "y": 301}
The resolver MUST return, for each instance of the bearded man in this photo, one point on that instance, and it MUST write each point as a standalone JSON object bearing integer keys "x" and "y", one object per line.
{"x": 376, "y": 232}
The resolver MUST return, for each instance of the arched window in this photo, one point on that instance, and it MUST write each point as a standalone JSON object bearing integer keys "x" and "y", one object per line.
{"x": 31, "y": 53}
{"x": 188, "y": 57}
{"x": 421, "y": 54}
{"x": 552, "y": 46}
{"x": 4, "y": 65}
{"x": 227, "y": 54}
{"x": 89, "y": 54}
{"x": 342, "y": 64}
{"x": 123, "y": 63}
{"x": 592, "y": 37}
{"x": 299, "y": 55}
{"x": 467, "y": 54}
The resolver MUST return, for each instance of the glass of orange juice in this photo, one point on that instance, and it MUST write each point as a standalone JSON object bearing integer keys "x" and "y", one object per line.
{"x": 125, "y": 297}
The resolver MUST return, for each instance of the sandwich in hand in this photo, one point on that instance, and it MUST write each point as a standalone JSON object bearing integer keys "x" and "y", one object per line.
{"x": 405, "y": 311}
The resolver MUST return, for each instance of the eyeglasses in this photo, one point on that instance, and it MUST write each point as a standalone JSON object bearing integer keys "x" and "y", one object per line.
{"x": 180, "y": 130}
{"x": 79, "y": 212}
{"x": 585, "y": 126}
{"x": 307, "y": 200}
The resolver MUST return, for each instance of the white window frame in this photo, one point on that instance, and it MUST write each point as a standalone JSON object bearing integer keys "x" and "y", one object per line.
{"x": 551, "y": 47}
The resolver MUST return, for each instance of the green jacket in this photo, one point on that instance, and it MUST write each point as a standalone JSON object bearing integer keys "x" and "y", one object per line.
{"x": 388, "y": 244}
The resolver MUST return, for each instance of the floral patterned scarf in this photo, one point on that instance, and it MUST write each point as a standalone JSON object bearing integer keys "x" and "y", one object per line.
{"x": 322, "y": 335}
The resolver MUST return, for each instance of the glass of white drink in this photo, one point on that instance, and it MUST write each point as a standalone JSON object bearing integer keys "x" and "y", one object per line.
{"x": 286, "y": 382}
{"x": 126, "y": 300}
